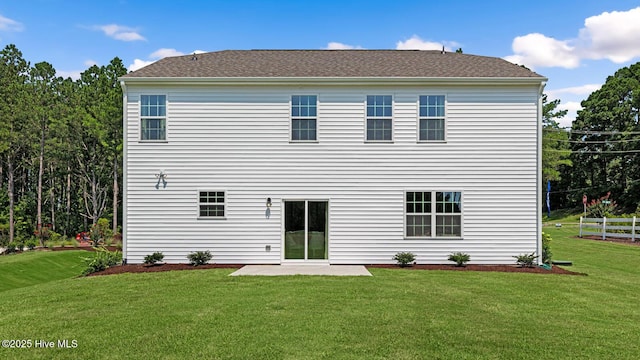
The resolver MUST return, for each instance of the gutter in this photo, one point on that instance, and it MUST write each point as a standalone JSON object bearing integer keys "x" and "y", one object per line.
{"x": 125, "y": 123}
{"x": 334, "y": 80}
{"x": 539, "y": 175}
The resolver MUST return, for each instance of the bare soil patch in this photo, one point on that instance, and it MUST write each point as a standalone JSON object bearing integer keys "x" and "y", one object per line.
{"x": 609, "y": 239}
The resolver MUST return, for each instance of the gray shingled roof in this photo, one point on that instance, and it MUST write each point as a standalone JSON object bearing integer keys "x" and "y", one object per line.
{"x": 332, "y": 63}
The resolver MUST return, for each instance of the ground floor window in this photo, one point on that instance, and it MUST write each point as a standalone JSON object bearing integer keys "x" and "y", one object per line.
{"x": 211, "y": 204}
{"x": 427, "y": 211}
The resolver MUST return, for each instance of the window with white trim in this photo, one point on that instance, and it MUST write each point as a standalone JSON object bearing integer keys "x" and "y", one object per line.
{"x": 153, "y": 117}
{"x": 432, "y": 118}
{"x": 427, "y": 211}
{"x": 211, "y": 204}
{"x": 304, "y": 118}
{"x": 379, "y": 118}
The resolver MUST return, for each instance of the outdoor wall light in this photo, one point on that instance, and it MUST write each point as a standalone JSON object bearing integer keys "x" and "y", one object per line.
{"x": 162, "y": 177}
{"x": 268, "y": 202}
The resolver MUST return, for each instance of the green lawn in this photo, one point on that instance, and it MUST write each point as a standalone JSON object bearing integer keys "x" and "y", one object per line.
{"x": 36, "y": 267}
{"x": 397, "y": 314}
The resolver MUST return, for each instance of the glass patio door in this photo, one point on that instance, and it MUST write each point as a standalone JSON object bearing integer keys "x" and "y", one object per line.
{"x": 305, "y": 230}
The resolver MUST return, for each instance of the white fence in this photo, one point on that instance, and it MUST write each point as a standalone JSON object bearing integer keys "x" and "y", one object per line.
{"x": 611, "y": 227}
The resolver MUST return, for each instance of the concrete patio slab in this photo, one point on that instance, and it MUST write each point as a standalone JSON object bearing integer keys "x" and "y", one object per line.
{"x": 283, "y": 270}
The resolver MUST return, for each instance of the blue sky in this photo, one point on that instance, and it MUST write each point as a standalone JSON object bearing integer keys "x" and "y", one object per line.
{"x": 576, "y": 44}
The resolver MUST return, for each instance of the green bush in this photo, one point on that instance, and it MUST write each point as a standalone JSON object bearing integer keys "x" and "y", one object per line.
{"x": 32, "y": 243}
{"x": 199, "y": 257}
{"x": 460, "y": 258}
{"x": 546, "y": 248}
{"x": 101, "y": 260}
{"x": 153, "y": 258}
{"x": 526, "y": 260}
{"x": 11, "y": 248}
{"x": 404, "y": 258}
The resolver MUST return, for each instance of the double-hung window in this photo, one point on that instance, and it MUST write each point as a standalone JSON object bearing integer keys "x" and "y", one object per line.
{"x": 153, "y": 117}
{"x": 379, "y": 118}
{"x": 211, "y": 204}
{"x": 432, "y": 118}
{"x": 304, "y": 111}
{"x": 433, "y": 214}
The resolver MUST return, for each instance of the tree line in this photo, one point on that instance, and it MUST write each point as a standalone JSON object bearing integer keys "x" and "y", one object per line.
{"x": 601, "y": 151}
{"x": 60, "y": 148}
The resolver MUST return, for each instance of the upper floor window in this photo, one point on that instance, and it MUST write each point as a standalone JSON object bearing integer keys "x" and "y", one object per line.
{"x": 153, "y": 117}
{"x": 431, "y": 118}
{"x": 304, "y": 118}
{"x": 379, "y": 118}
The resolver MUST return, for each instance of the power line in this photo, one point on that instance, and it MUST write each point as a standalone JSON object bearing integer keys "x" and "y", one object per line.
{"x": 594, "y": 141}
{"x": 593, "y": 132}
{"x": 595, "y": 152}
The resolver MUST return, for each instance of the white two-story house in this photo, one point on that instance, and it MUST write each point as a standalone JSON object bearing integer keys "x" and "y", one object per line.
{"x": 332, "y": 156}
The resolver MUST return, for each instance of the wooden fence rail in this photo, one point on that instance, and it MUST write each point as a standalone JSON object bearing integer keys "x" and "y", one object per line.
{"x": 611, "y": 227}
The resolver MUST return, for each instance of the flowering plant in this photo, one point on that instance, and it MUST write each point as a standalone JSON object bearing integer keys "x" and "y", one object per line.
{"x": 602, "y": 207}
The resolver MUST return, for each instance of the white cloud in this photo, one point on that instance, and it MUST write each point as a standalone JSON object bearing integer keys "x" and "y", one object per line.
{"x": 89, "y": 63}
{"x": 73, "y": 74}
{"x": 340, "y": 46}
{"x": 157, "y": 55}
{"x": 416, "y": 43}
{"x": 7, "y": 24}
{"x": 574, "y": 90}
{"x": 162, "y": 53}
{"x": 120, "y": 32}
{"x": 572, "y": 108}
{"x": 611, "y": 35}
{"x": 534, "y": 50}
{"x": 139, "y": 64}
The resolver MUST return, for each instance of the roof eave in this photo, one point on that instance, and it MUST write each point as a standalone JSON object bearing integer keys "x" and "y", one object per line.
{"x": 334, "y": 80}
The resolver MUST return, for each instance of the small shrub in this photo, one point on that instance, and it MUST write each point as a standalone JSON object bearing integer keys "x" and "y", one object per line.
{"x": 153, "y": 258}
{"x": 11, "y": 248}
{"x": 199, "y": 257}
{"x": 602, "y": 207}
{"x": 404, "y": 258}
{"x": 460, "y": 258}
{"x": 546, "y": 248}
{"x": 32, "y": 243}
{"x": 20, "y": 245}
{"x": 526, "y": 260}
{"x": 101, "y": 260}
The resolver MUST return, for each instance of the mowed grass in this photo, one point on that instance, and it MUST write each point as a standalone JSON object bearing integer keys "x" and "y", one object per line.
{"x": 398, "y": 314}
{"x": 36, "y": 267}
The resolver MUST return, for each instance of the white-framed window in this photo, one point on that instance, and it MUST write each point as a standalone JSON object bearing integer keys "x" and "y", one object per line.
{"x": 304, "y": 112}
{"x": 211, "y": 204}
{"x": 431, "y": 120}
{"x": 153, "y": 117}
{"x": 433, "y": 214}
{"x": 379, "y": 118}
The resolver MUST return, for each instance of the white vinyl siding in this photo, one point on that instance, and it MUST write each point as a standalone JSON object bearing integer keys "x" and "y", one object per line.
{"x": 237, "y": 138}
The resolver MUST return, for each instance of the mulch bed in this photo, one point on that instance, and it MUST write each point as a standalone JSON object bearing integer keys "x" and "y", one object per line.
{"x": 499, "y": 268}
{"x": 140, "y": 268}
{"x": 625, "y": 241}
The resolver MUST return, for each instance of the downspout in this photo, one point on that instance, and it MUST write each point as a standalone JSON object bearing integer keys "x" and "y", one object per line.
{"x": 539, "y": 175}
{"x": 125, "y": 216}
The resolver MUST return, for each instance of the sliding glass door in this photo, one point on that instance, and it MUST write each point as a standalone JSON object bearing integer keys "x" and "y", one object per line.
{"x": 306, "y": 230}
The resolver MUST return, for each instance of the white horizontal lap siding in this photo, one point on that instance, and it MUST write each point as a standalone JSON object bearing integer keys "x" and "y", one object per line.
{"x": 237, "y": 140}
